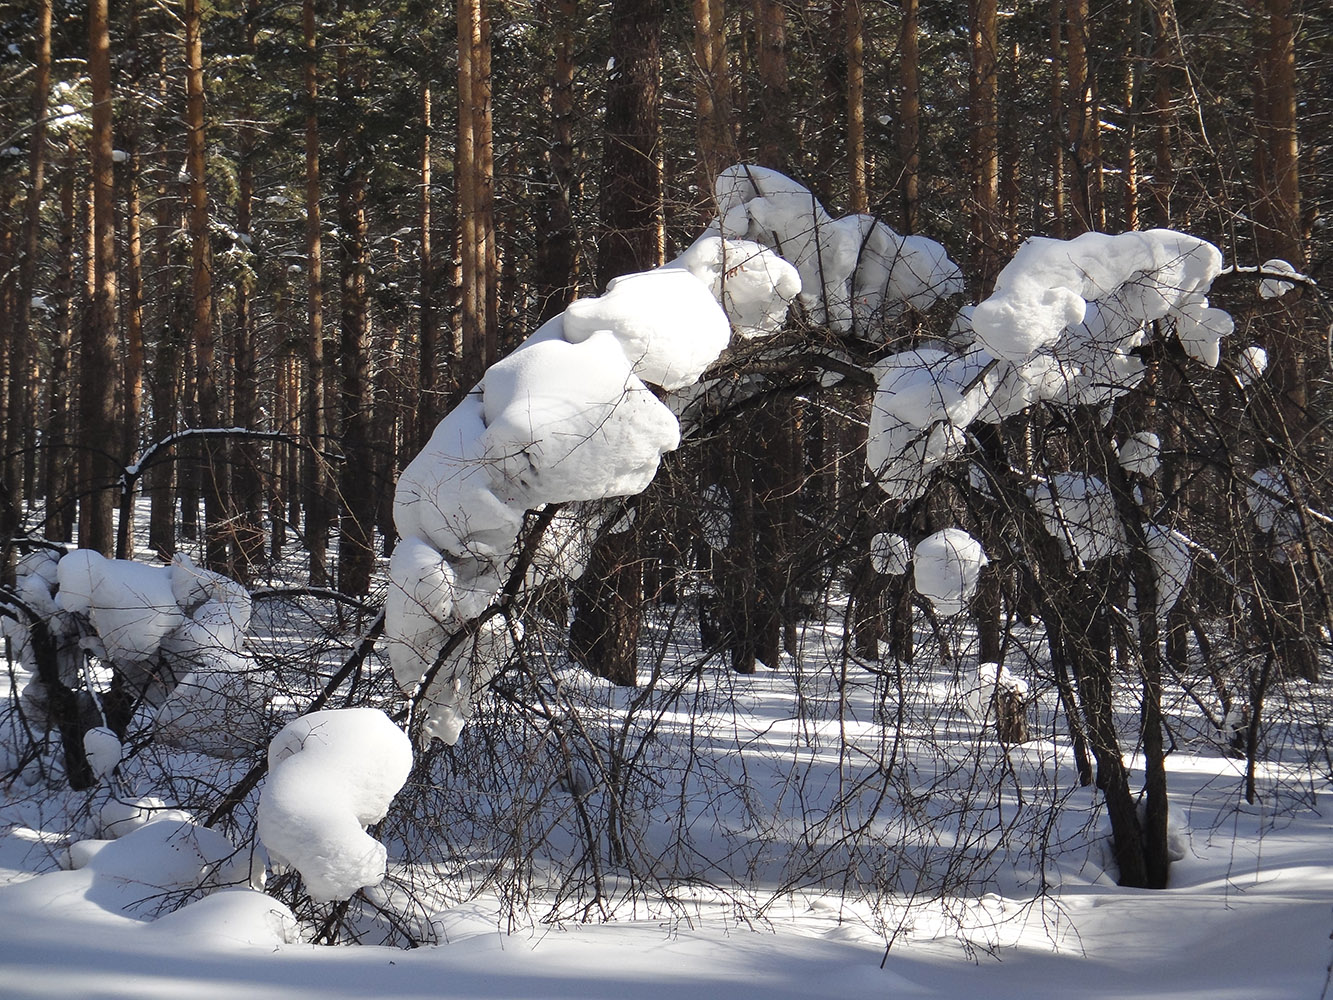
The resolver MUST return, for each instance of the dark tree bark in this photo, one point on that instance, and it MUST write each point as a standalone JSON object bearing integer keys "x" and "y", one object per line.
{"x": 315, "y": 477}
{"x": 606, "y": 625}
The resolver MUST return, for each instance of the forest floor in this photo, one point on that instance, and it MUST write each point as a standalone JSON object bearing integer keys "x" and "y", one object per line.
{"x": 1248, "y": 913}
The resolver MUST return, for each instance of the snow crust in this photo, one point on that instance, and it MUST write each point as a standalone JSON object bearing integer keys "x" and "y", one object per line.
{"x": 331, "y": 774}
{"x": 946, "y": 567}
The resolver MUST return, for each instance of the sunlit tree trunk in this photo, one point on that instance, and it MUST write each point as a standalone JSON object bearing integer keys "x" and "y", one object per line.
{"x": 712, "y": 97}
{"x": 478, "y": 315}
{"x": 18, "y": 419}
{"x": 428, "y": 347}
{"x": 858, "y": 199}
{"x": 983, "y": 82}
{"x": 97, "y": 393}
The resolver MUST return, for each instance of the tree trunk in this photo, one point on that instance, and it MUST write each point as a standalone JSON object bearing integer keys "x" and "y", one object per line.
{"x": 315, "y": 485}
{"x": 97, "y": 392}
{"x": 557, "y": 261}
{"x": 356, "y": 552}
{"x": 18, "y": 419}
{"x": 428, "y": 348}
{"x": 909, "y": 118}
{"x": 983, "y": 83}
{"x": 712, "y": 97}
{"x": 858, "y": 199}
{"x": 606, "y": 624}
{"x": 57, "y": 482}
{"x": 248, "y": 535}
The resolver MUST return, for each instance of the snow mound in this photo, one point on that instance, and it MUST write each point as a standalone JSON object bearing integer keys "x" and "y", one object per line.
{"x": 855, "y": 272}
{"x": 946, "y": 567}
{"x": 666, "y": 322}
{"x": 981, "y": 690}
{"x": 752, "y": 283}
{"x": 331, "y": 774}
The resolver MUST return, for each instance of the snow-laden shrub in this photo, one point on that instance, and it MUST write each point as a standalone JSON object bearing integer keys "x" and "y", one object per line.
{"x": 331, "y": 774}
{"x": 173, "y": 634}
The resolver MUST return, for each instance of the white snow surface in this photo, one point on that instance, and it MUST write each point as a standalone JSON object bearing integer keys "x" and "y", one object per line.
{"x": 1246, "y": 914}
{"x": 331, "y": 774}
{"x": 945, "y": 568}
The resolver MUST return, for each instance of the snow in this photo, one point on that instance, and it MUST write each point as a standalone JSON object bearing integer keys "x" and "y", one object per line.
{"x": 946, "y": 567}
{"x": 1246, "y": 913}
{"x": 1049, "y": 283}
{"x": 855, "y": 272}
{"x": 1079, "y": 511}
{"x": 666, "y": 322}
{"x": 979, "y": 692}
{"x": 1141, "y": 454}
{"x": 566, "y": 417}
{"x": 1275, "y": 288}
{"x": 1271, "y": 504}
{"x": 1251, "y": 364}
{"x": 753, "y": 284}
{"x": 103, "y": 750}
{"x": 331, "y": 774}
{"x": 890, "y": 555}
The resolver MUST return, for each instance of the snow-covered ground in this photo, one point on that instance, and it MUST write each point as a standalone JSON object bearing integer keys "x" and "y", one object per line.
{"x": 1248, "y": 914}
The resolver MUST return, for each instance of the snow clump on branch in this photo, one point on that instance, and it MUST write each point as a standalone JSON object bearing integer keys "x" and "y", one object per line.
{"x": 331, "y": 774}
{"x": 570, "y": 416}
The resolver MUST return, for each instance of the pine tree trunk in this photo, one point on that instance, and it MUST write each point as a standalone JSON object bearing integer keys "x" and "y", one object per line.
{"x": 858, "y": 199}
{"x": 909, "y": 118}
{"x": 557, "y": 261}
{"x": 983, "y": 83}
{"x": 315, "y": 477}
{"x": 248, "y": 536}
{"x": 428, "y": 347}
{"x": 18, "y": 419}
{"x": 356, "y": 552}
{"x": 606, "y": 623}
{"x": 97, "y": 392}
{"x": 57, "y": 482}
